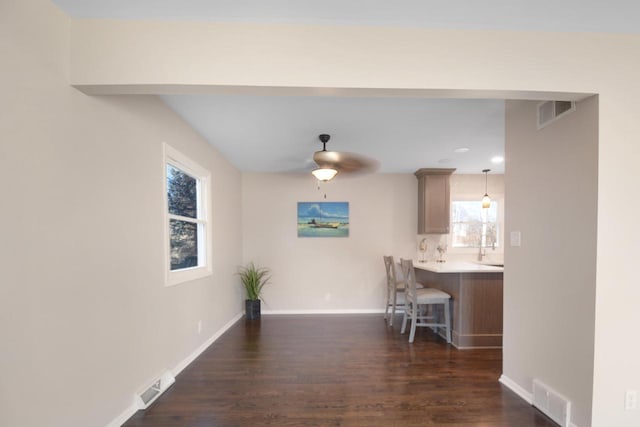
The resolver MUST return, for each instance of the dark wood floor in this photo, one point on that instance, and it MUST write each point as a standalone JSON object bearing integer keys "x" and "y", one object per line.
{"x": 337, "y": 371}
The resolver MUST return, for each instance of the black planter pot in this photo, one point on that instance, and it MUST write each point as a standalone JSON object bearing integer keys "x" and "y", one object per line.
{"x": 252, "y": 309}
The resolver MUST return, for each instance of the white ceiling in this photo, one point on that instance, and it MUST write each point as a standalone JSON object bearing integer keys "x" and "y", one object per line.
{"x": 279, "y": 133}
{"x": 530, "y": 15}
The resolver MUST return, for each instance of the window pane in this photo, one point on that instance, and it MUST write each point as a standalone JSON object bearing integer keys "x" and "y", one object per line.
{"x": 492, "y": 212}
{"x": 492, "y": 235}
{"x": 467, "y": 234}
{"x": 467, "y": 211}
{"x": 184, "y": 244}
{"x": 181, "y": 193}
{"x": 473, "y": 211}
{"x": 474, "y": 226}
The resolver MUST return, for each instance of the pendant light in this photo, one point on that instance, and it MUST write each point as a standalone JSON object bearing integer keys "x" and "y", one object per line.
{"x": 486, "y": 200}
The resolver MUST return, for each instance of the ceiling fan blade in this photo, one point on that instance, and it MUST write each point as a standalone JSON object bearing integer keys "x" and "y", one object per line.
{"x": 345, "y": 162}
{"x": 325, "y": 158}
{"x": 306, "y": 167}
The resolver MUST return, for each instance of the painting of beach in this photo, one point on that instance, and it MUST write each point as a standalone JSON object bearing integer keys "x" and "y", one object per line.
{"x": 323, "y": 219}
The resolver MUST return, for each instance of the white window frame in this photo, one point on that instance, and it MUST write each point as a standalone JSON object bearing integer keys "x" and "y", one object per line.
{"x": 499, "y": 249}
{"x": 175, "y": 158}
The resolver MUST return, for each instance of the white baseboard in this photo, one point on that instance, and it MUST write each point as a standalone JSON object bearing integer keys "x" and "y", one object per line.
{"x": 514, "y": 387}
{"x": 524, "y": 394}
{"x": 331, "y": 311}
{"x": 133, "y": 408}
{"x": 124, "y": 416}
{"x": 197, "y": 352}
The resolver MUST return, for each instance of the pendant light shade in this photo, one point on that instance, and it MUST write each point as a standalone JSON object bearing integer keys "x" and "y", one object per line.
{"x": 486, "y": 200}
{"x": 324, "y": 174}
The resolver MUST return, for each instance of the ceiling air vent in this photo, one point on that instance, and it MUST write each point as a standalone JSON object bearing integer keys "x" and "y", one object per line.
{"x": 550, "y": 111}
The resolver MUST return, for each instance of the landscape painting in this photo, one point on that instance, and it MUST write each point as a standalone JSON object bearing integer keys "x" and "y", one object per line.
{"x": 323, "y": 219}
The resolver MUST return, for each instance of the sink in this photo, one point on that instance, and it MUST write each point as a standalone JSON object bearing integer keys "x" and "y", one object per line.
{"x": 492, "y": 264}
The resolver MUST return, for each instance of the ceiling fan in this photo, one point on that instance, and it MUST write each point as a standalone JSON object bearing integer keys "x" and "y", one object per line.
{"x": 330, "y": 163}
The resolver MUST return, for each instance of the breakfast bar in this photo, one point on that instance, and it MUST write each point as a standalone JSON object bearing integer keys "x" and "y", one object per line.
{"x": 476, "y": 291}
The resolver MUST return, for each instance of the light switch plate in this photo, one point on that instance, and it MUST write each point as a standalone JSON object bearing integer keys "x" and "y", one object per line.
{"x": 515, "y": 238}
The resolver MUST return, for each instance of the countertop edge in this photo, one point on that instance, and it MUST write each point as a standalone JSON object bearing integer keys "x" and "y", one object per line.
{"x": 456, "y": 267}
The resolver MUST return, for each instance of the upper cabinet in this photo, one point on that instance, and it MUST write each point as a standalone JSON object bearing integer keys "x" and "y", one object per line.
{"x": 434, "y": 203}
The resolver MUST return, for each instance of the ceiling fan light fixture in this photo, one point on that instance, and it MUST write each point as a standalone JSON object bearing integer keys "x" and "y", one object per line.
{"x": 324, "y": 174}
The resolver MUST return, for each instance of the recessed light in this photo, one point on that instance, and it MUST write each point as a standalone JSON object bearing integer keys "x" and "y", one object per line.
{"x": 462, "y": 150}
{"x": 497, "y": 159}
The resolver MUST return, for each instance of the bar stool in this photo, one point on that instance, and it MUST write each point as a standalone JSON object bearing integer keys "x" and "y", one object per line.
{"x": 416, "y": 299}
{"x": 395, "y": 289}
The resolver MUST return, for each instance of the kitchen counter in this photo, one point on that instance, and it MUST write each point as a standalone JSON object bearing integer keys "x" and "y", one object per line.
{"x": 456, "y": 267}
{"x": 476, "y": 293}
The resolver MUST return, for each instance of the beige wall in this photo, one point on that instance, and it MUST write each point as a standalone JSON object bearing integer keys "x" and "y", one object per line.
{"x": 549, "y": 294}
{"x": 338, "y": 274}
{"x": 328, "y": 274}
{"x": 503, "y": 64}
{"x": 85, "y": 318}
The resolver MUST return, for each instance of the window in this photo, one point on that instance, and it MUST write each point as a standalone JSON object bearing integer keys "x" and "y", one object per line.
{"x": 188, "y": 240}
{"x": 474, "y": 226}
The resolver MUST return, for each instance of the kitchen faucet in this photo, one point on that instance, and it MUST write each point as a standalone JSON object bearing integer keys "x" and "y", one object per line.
{"x": 482, "y": 253}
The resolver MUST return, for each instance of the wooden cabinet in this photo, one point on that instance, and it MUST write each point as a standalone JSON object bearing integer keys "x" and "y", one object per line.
{"x": 434, "y": 203}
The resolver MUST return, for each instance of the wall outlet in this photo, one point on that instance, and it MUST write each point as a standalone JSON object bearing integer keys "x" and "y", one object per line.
{"x": 199, "y": 327}
{"x": 630, "y": 400}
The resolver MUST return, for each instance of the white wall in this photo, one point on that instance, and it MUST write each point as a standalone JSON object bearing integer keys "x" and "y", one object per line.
{"x": 328, "y": 274}
{"x": 549, "y": 289}
{"x": 85, "y": 318}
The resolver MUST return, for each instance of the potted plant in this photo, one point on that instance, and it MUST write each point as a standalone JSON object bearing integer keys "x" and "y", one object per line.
{"x": 253, "y": 278}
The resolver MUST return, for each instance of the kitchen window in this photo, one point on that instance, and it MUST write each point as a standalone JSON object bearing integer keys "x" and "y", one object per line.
{"x": 472, "y": 226}
{"x": 187, "y": 224}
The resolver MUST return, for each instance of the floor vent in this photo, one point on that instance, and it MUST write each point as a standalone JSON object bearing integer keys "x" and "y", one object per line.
{"x": 551, "y": 403}
{"x": 550, "y": 111}
{"x": 151, "y": 393}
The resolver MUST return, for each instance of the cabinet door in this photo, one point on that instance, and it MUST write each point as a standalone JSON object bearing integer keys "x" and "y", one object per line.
{"x": 433, "y": 204}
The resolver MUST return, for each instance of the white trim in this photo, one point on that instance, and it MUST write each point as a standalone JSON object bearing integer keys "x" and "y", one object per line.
{"x": 166, "y": 380}
{"x": 187, "y": 219}
{"x": 314, "y": 311}
{"x": 133, "y": 408}
{"x": 514, "y": 387}
{"x": 197, "y": 352}
{"x": 524, "y": 394}
{"x": 205, "y": 245}
{"x": 124, "y": 416}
